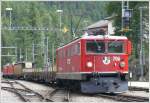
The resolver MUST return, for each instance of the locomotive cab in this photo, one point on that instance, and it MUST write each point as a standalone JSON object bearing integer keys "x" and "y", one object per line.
{"x": 106, "y": 55}
{"x": 106, "y": 59}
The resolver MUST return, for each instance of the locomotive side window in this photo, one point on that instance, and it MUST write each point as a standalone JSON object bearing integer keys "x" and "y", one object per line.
{"x": 68, "y": 55}
{"x": 60, "y": 54}
{"x": 63, "y": 54}
{"x": 72, "y": 51}
{"x": 77, "y": 48}
{"x": 95, "y": 47}
{"x": 115, "y": 47}
{"x": 69, "y": 52}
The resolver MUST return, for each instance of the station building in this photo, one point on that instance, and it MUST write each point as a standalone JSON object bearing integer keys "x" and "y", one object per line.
{"x": 102, "y": 27}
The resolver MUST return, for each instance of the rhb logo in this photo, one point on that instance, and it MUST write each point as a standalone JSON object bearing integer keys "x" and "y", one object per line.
{"x": 106, "y": 60}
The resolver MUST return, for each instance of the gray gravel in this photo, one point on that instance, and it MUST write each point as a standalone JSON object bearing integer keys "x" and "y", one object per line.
{"x": 75, "y": 97}
{"x": 8, "y": 97}
{"x": 42, "y": 89}
{"x": 138, "y": 93}
{"x": 84, "y": 98}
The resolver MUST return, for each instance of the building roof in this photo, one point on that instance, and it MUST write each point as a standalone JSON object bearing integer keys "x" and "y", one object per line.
{"x": 100, "y": 23}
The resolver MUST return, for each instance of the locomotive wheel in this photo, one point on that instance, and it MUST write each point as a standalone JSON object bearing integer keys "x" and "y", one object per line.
{"x": 59, "y": 83}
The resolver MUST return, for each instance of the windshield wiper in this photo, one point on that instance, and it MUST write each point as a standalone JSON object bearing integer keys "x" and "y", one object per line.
{"x": 98, "y": 46}
{"x": 113, "y": 41}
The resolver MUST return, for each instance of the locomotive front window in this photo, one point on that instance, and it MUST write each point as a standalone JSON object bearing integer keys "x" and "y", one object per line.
{"x": 95, "y": 47}
{"x": 115, "y": 47}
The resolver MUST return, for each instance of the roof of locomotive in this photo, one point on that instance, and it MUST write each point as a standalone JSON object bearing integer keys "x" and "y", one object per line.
{"x": 91, "y": 37}
{"x": 104, "y": 37}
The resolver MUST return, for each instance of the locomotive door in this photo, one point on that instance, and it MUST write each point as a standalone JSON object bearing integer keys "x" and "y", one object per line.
{"x": 102, "y": 61}
{"x": 95, "y": 50}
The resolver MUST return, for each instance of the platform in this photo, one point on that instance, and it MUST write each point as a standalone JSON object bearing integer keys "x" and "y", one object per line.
{"x": 138, "y": 84}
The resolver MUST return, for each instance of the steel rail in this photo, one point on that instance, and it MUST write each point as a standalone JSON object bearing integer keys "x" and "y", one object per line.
{"x": 52, "y": 93}
{"x": 13, "y": 90}
{"x": 19, "y": 91}
{"x": 38, "y": 94}
{"x": 67, "y": 97}
{"x": 125, "y": 98}
{"x": 138, "y": 89}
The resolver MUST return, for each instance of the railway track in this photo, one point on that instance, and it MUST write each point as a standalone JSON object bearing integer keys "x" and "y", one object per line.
{"x": 28, "y": 95}
{"x": 24, "y": 93}
{"x": 61, "y": 95}
{"x": 67, "y": 98}
{"x": 125, "y": 98}
{"x": 138, "y": 89}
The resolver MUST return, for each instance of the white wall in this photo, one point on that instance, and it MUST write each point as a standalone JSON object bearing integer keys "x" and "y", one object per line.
{"x": 111, "y": 29}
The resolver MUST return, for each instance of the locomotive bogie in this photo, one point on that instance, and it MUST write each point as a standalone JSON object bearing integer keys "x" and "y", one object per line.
{"x": 104, "y": 85}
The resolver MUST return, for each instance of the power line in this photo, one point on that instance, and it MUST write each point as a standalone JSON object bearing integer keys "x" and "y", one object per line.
{"x": 10, "y": 55}
{"x": 11, "y": 47}
{"x": 29, "y": 28}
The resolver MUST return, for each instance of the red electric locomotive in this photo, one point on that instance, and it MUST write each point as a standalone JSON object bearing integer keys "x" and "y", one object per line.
{"x": 94, "y": 63}
{"x": 8, "y": 70}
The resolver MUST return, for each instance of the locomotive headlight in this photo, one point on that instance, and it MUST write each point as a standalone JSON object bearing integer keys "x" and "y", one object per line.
{"x": 89, "y": 64}
{"x": 122, "y": 64}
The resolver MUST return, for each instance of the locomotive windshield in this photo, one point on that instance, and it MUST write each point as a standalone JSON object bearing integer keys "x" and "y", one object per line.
{"x": 115, "y": 47}
{"x": 99, "y": 47}
{"x": 95, "y": 47}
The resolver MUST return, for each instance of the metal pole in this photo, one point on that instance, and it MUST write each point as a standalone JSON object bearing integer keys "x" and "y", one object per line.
{"x": 144, "y": 54}
{"x": 45, "y": 58}
{"x": 47, "y": 53}
{"x": 52, "y": 57}
{"x": 10, "y": 20}
{"x": 127, "y": 4}
{"x": 44, "y": 51}
{"x": 9, "y": 9}
{"x": 61, "y": 27}
{"x": 42, "y": 48}
{"x": 20, "y": 54}
{"x": 60, "y": 21}
{"x": 141, "y": 44}
{"x": 26, "y": 54}
{"x": 16, "y": 53}
{"x": 122, "y": 14}
{"x": 60, "y": 12}
{"x": 33, "y": 52}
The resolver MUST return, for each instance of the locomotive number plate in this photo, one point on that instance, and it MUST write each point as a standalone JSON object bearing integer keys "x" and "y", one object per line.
{"x": 116, "y": 58}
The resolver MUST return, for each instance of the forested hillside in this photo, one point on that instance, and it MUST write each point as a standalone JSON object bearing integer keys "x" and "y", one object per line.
{"x": 43, "y": 14}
